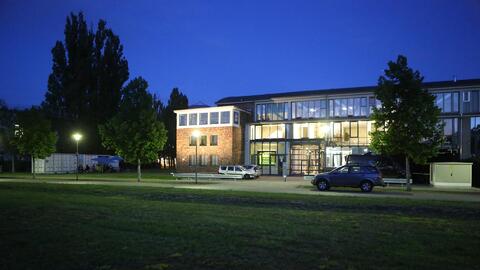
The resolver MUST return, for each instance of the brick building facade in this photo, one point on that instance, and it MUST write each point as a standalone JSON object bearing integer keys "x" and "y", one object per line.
{"x": 220, "y": 138}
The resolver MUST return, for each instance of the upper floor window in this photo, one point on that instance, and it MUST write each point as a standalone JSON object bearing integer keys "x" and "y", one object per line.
{"x": 271, "y": 111}
{"x": 192, "y": 119}
{"x": 447, "y": 102}
{"x": 203, "y": 118}
{"x": 225, "y": 118}
{"x": 343, "y": 107}
{"x": 213, "y": 118}
{"x": 450, "y": 131}
{"x": 182, "y": 120}
{"x": 466, "y": 96}
{"x": 236, "y": 117}
{"x": 309, "y": 109}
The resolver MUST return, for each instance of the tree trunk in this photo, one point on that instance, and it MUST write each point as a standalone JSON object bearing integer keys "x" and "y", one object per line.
{"x": 407, "y": 173}
{"x": 33, "y": 167}
{"x": 139, "y": 172}
{"x": 13, "y": 163}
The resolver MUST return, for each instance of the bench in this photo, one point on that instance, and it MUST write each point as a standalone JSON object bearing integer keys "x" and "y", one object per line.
{"x": 401, "y": 181}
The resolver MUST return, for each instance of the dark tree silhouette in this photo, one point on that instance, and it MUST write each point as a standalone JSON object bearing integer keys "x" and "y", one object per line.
{"x": 177, "y": 101}
{"x": 88, "y": 73}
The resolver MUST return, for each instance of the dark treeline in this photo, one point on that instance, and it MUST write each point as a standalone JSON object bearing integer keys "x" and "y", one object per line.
{"x": 89, "y": 71}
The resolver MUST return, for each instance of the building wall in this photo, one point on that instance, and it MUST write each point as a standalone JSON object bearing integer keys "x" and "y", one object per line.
{"x": 229, "y": 149}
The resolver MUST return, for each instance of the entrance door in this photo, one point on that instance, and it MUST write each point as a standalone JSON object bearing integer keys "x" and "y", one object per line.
{"x": 268, "y": 162}
{"x": 305, "y": 159}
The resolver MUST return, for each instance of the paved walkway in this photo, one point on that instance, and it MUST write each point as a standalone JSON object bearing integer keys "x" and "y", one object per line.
{"x": 294, "y": 185}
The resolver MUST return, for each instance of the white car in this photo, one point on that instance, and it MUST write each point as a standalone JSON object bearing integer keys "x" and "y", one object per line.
{"x": 255, "y": 168}
{"x": 237, "y": 170}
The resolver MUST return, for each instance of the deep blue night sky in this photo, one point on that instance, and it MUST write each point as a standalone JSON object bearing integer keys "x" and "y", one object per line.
{"x": 213, "y": 49}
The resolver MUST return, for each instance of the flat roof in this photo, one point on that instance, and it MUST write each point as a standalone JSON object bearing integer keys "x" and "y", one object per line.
{"x": 348, "y": 90}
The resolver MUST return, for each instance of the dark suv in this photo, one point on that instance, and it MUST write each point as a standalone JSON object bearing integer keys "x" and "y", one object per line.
{"x": 352, "y": 175}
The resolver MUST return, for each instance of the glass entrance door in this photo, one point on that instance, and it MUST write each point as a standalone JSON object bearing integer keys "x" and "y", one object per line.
{"x": 268, "y": 162}
{"x": 306, "y": 159}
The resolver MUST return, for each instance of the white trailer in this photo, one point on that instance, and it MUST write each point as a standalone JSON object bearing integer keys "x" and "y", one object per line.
{"x": 67, "y": 163}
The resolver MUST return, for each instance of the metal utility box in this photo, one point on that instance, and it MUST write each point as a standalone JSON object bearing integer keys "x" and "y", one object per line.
{"x": 451, "y": 174}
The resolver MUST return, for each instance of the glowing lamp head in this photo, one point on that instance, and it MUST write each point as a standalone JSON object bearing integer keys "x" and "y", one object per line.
{"x": 77, "y": 136}
{"x": 196, "y": 134}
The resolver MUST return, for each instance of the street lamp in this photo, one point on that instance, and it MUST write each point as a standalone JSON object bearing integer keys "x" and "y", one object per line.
{"x": 196, "y": 135}
{"x": 77, "y": 137}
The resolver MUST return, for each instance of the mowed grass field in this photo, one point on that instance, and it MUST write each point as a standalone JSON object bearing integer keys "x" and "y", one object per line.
{"x": 52, "y": 226}
{"x": 147, "y": 176}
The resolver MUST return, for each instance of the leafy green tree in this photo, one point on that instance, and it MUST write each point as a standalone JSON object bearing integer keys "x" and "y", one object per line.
{"x": 34, "y": 136}
{"x": 135, "y": 133}
{"x": 177, "y": 101}
{"x": 7, "y": 131}
{"x": 88, "y": 73}
{"x": 408, "y": 121}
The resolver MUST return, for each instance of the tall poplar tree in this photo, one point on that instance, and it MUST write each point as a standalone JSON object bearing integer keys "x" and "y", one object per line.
{"x": 177, "y": 101}
{"x": 88, "y": 73}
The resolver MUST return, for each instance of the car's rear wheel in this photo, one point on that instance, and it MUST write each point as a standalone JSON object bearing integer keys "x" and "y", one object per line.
{"x": 322, "y": 185}
{"x": 366, "y": 186}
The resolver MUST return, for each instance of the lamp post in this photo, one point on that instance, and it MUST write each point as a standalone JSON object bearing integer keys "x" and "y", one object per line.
{"x": 77, "y": 137}
{"x": 196, "y": 135}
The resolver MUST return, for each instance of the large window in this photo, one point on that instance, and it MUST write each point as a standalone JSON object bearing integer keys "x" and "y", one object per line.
{"x": 450, "y": 131}
{"x": 225, "y": 118}
{"x": 203, "y": 118}
{"x": 344, "y": 133}
{"x": 309, "y": 109}
{"x": 344, "y": 107}
{"x": 447, "y": 102}
{"x": 268, "y": 131}
{"x": 182, "y": 120}
{"x": 192, "y": 119}
{"x": 320, "y": 130}
{"x": 271, "y": 111}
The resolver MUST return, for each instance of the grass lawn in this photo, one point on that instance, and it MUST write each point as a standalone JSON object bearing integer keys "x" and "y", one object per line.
{"x": 147, "y": 176}
{"x": 48, "y": 226}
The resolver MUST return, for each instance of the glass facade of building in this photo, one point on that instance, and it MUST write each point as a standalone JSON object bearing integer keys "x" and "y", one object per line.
{"x": 318, "y": 134}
